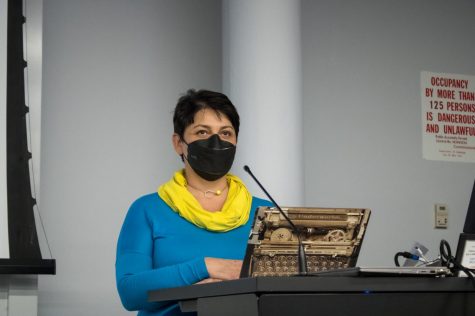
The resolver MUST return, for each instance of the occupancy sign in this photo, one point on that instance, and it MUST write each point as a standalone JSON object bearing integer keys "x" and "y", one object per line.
{"x": 448, "y": 116}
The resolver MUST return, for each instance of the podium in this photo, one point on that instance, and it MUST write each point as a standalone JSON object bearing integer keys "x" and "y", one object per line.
{"x": 336, "y": 296}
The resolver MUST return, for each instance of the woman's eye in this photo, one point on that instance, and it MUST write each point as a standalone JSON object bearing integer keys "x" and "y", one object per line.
{"x": 202, "y": 133}
{"x": 226, "y": 133}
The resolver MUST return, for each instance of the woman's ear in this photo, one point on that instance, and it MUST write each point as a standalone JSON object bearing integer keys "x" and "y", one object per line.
{"x": 177, "y": 144}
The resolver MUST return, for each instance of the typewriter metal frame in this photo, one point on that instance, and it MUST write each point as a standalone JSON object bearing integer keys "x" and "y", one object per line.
{"x": 331, "y": 237}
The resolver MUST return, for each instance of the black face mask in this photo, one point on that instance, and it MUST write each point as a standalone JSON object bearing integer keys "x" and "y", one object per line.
{"x": 211, "y": 158}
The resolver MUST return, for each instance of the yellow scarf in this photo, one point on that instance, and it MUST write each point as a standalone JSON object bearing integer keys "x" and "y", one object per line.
{"x": 235, "y": 211}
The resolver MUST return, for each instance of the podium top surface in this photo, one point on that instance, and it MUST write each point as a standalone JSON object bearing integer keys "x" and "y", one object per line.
{"x": 313, "y": 284}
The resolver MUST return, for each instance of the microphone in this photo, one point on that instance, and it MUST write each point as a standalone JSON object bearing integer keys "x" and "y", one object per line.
{"x": 302, "y": 259}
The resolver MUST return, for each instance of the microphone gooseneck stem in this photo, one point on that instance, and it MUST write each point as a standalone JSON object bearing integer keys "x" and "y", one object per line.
{"x": 246, "y": 168}
{"x": 302, "y": 259}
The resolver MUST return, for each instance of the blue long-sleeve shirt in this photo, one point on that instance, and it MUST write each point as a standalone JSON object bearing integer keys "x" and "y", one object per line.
{"x": 159, "y": 249}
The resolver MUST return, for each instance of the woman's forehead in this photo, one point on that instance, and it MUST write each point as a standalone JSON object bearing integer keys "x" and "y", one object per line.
{"x": 210, "y": 117}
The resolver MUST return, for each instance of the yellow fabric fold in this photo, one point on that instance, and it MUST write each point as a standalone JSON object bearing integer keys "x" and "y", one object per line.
{"x": 235, "y": 211}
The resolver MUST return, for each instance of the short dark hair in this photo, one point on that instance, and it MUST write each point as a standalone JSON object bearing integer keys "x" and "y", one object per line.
{"x": 194, "y": 101}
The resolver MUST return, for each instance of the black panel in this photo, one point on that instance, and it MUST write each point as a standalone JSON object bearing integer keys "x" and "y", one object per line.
{"x": 27, "y": 266}
{"x": 469, "y": 227}
{"x": 23, "y": 238}
{"x": 233, "y": 305}
{"x": 387, "y": 304}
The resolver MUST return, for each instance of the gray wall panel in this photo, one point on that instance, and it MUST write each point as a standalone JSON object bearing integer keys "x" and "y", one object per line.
{"x": 363, "y": 147}
{"x": 112, "y": 73}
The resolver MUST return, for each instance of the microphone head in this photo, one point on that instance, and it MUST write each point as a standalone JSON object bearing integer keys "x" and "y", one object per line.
{"x": 246, "y": 168}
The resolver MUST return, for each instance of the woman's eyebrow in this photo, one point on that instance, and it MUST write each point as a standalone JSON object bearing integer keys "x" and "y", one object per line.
{"x": 227, "y": 126}
{"x": 202, "y": 126}
{"x": 209, "y": 127}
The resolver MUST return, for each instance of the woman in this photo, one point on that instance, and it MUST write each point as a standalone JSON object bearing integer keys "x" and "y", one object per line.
{"x": 194, "y": 229}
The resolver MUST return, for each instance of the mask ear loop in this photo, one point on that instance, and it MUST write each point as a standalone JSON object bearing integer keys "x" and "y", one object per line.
{"x": 182, "y": 156}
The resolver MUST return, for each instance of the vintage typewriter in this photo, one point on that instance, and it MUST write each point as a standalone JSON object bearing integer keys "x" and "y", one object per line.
{"x": 331, "y": 237}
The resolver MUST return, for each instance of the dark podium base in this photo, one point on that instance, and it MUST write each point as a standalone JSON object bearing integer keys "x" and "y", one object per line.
{"x": 336, "y": 296}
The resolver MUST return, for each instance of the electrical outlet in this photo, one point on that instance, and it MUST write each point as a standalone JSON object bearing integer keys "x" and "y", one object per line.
{"x": 441, "y": 216}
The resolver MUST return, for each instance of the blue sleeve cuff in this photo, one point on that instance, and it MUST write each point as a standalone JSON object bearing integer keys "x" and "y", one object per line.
{"x": 194, "y": 269}
{"x": 134, "y": 282}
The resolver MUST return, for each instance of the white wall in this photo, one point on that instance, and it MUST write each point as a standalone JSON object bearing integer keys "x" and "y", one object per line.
{"x": 363, "y": 147}
{"x": 113, "y": 71}
{"x": 266, "y": 89}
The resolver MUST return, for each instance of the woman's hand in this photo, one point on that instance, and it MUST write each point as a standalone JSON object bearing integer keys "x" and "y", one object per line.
{"x": 208, "y": 280}
{"x": 223, "y": 269}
